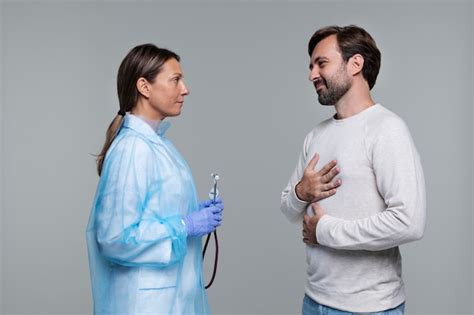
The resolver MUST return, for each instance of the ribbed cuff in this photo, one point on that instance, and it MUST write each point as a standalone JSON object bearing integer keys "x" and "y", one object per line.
{"x": 295, "y": 202}
{"x": 324, "y": 228}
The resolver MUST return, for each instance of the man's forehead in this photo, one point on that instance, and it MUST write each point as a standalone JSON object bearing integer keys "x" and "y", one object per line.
{"x": 326, "y": 48}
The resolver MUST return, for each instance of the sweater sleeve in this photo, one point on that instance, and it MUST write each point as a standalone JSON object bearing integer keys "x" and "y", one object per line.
{"x": 400, "y": 182}
{"x": 291, "y": 206}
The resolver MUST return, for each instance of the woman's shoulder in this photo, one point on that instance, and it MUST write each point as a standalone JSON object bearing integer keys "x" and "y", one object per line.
{"x": 132, "y": 144}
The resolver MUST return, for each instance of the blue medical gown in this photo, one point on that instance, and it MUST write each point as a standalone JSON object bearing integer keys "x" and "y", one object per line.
{"x": 140, "y": 259}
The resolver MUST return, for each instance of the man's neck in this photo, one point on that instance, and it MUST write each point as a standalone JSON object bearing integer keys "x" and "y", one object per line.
{"x": 353, "y": 102}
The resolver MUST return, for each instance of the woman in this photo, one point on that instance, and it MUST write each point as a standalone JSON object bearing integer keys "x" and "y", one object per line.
{"x": 144, "y": 232}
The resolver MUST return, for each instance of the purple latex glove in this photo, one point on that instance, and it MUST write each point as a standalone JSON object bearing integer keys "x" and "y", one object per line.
{"x": 209, "y": 202}
{"x": 206, "y": 219}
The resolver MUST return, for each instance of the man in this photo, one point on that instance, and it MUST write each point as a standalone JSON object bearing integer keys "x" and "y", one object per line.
{"x": 352, "y": 236}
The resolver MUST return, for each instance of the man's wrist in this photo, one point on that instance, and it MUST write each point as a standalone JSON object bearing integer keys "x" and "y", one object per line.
{"x": 298, "y": 192}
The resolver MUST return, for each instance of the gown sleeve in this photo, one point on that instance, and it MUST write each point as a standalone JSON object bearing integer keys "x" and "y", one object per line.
{"x": 126, "y": 233}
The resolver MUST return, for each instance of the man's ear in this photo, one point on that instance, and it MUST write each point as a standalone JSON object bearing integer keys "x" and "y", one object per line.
{"x": 143, "y": 87}
{"x": 356, "y": 64}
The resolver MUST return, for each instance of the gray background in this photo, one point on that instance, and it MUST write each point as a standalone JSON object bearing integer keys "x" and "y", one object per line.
{"x": 249, "y": 109}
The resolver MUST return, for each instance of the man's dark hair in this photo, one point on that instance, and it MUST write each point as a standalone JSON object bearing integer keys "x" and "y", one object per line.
{"x": 352, "y": 40}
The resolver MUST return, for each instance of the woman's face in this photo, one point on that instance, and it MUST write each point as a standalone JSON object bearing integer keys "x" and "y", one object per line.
{"x": 166, "y": 94}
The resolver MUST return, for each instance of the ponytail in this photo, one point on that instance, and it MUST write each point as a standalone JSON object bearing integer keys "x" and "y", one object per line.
{"x": 111, "y": 133}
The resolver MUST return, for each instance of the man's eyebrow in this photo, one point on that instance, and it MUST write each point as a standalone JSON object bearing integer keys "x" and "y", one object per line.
{"x": 316, "y": 60}
{"x": 319, "y": 58}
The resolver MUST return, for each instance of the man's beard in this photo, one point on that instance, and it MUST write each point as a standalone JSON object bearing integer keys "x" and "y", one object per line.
{"x": 335, "y": 88}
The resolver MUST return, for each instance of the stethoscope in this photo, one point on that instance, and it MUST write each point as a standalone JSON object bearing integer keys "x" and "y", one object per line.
{"x": 212, "y": 195}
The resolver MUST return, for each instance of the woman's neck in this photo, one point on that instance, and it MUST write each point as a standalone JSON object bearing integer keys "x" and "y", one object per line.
{"x": 153, "y": 123}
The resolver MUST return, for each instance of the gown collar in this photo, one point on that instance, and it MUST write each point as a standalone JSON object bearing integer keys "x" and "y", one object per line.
{"x": 139, "y": 125}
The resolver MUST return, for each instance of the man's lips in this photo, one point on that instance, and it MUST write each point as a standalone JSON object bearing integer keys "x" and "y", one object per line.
{"x": 318, "y": 86}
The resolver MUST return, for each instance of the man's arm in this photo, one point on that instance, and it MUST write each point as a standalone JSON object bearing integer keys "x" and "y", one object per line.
{"x": 401, "y": 184}
{"x": 308, "y": 185}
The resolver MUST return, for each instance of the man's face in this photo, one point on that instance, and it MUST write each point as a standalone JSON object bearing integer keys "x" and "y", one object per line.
{"x": 328, "y": 71}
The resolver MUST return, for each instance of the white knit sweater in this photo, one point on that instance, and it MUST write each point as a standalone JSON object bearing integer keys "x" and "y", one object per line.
{"x": 380, "y": 205}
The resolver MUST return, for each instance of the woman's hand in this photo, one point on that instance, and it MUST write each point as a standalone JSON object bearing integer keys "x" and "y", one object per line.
{"x": 206, "y": 219}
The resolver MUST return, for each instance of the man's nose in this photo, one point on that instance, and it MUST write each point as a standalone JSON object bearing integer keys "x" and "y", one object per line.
{"x": 313, "y": 74}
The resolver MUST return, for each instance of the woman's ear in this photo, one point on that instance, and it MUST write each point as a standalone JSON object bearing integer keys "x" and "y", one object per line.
{"x": 143, "y": 87}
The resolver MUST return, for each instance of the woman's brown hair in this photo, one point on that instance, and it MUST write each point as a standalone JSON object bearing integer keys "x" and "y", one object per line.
{"x": 143, "y": 61}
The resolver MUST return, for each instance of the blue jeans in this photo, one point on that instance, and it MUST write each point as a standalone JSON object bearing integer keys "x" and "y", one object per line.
{"x": 311, "y": 307}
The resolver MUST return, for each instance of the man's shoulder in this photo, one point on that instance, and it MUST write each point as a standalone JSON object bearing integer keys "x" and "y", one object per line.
{"x": 386, "y": 126}
{"x": 319, "y": 127}
{"x": 384, "y": 120}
